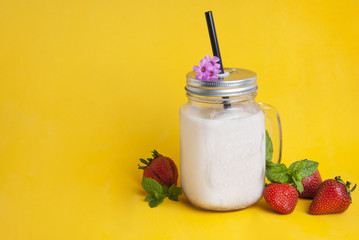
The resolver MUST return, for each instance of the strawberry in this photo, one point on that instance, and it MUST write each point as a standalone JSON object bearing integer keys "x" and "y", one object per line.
{"x": 333, "y": 196}
{"x": 160, "y": 168}
{"x": 281, "y": 197}
{"x": 310, "y": 185}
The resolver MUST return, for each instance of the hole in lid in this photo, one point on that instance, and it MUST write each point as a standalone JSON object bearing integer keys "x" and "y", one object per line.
{"x": 223, "y": 75}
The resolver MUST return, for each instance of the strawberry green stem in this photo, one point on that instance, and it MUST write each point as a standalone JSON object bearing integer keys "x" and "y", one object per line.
{"x": 347, "y": 186}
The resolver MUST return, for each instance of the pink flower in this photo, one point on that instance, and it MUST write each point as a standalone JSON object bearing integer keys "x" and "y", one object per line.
{"x": 203, "y": 69}
{"x": 208, "y": 68}
{"x": 212, "y": 74}
{"x": 214, "y": 61}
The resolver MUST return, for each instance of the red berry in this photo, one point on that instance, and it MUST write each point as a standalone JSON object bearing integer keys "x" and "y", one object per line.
{"x": 281, "y": 197}
{"x": 160, "y": 168}
{"x": 333, "y": 196}
{"x": 310, "y": 185}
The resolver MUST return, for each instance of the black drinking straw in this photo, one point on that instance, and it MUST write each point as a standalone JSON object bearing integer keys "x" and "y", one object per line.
{"x": 215, "y": 46}
{"x": 213, "y": 37}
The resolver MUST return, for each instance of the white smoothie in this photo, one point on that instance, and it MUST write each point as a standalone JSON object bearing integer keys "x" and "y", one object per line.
{"x": 222, "y": 156}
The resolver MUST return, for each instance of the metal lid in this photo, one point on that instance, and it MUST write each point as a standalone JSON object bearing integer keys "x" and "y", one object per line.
{"x": 235, "y": 82}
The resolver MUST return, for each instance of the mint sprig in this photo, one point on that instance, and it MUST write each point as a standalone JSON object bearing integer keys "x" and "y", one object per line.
{"x": 279, "y": 173}
{"x": 174, "y": 192}
{"x": 303, "y": 168}
{"x": 157, "y": 192}
{"x": 153, "y": 201}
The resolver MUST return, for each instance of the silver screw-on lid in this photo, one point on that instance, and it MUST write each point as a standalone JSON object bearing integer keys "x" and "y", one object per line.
{"x": 235, "y": 82}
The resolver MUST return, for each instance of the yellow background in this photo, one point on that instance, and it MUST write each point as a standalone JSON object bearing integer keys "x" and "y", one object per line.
{"x": 89, "y": 87}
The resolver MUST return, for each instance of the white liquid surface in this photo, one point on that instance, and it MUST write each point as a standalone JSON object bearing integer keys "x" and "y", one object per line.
{"x": 222, "y": 157}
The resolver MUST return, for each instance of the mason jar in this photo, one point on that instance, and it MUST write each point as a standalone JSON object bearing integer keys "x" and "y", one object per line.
{"x": 223, "y": 141}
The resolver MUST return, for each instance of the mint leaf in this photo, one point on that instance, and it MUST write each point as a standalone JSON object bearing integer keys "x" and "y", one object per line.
{"x": 277, "y": 173}
{"x": 153, "y": 202}
{"x": 299, "y": 185}
{"x": 268, "y": 175}
{"x": 269, "y": 149}
{"x": 302, "y": 169}
{"x": 154, "y": 188}
{"x": 157, "y": 191}
{"x": 174, "y": 192}
{"x": 150, "y": 198}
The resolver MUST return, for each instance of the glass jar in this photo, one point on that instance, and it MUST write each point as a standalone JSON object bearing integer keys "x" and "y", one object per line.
{"x": 223, "y": 141}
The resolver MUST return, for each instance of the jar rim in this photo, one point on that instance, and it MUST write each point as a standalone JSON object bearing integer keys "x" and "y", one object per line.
{"x": 238, "y": 82}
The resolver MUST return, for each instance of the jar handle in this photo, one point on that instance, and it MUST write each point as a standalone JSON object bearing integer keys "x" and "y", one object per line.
{"x": 274, "y": 128}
